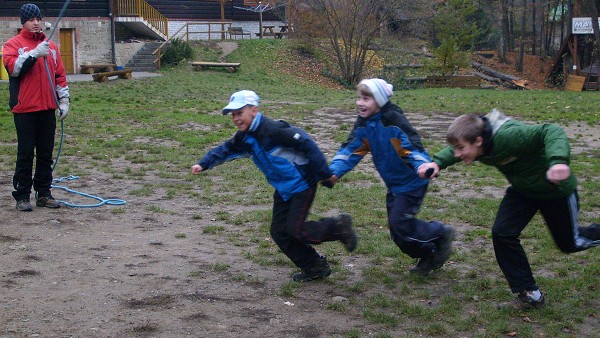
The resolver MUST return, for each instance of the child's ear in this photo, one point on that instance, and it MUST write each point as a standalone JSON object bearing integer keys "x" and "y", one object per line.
{"x": 478, "y": 141}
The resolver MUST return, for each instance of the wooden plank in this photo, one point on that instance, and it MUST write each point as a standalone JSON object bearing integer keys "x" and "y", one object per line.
{"x": 215, "y": 64}
{"x": 452, "y": 81}
{"x": 229, "y": 66}
{"x": 575, "y": 83}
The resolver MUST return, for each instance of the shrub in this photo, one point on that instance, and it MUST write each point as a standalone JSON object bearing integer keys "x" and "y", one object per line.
{"x": 178, "y": 51}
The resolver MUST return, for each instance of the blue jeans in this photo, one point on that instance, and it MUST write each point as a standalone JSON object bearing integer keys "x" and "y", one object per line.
{"x": 35, "y": 137}
{"x": 413, "y": 236}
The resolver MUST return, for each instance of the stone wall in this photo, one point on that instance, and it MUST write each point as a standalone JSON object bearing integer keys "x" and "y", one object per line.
{"x": 92, "y": 43}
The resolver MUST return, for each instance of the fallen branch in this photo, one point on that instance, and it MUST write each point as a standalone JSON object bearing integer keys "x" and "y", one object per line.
{"x": 495, "y": 80}
{"x": 518, "y": 82}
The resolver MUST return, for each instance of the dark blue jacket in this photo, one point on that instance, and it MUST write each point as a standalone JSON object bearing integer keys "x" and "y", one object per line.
{"x": 395, "y": 145}
{"x": 288, "y": 157}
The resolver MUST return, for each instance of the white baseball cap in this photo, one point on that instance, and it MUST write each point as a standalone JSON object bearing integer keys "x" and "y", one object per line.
{"x": 241, "y": 99}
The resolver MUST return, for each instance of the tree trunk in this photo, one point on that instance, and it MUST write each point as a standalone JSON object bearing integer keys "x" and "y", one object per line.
{"x": 511, "y": 25}
{"x": 594, "y": 10}
{"x": 519, "y": 63}
{"x": 533, "y": 27}
{"x": 504, "y": 31}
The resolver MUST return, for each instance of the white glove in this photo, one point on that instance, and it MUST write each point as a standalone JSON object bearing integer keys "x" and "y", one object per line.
{"x": 41, "y": 50}
{"x": 63, "y": 106}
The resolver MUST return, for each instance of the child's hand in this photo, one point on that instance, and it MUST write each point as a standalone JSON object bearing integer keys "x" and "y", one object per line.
{"x": 196, "y": 169}
{"x": 330, "y": 182}
{"x": 558, "y": 173}
{"x": 425, "y": 170}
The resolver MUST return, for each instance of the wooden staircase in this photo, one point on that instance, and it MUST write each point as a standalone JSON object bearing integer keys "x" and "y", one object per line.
{"x": 140, "y": 17}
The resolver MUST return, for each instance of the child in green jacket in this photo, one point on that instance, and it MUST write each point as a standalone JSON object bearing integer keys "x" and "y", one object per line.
{"x": 535, "y": 160}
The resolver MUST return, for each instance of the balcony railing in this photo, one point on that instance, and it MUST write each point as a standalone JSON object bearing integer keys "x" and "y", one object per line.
{"x": 141, "y": 9}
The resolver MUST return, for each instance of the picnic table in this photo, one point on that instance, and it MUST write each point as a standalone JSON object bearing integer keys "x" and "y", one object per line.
{"x": 268, "y": 30}
{"x": 283, "y": 31}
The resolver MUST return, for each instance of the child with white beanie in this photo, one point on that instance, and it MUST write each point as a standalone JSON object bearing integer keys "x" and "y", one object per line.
{"x": 382, "y": 128}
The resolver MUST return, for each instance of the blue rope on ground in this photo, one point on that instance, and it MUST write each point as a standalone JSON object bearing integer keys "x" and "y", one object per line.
{"x": 110, "y": 201}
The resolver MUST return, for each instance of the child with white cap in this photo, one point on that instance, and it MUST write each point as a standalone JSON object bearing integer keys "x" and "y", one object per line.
{"x": 293, "y": 165}
{"x": 382, "y": 129}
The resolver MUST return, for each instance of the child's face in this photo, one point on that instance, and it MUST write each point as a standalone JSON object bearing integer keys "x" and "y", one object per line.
{"x": 468, "y": 152}
{"x": 243, "y": 117}
{"x": 367, "y": 106}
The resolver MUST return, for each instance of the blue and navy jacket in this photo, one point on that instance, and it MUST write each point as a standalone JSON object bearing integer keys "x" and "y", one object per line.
{"x": 287, "y": 156}
{"x": 394, "y": 144}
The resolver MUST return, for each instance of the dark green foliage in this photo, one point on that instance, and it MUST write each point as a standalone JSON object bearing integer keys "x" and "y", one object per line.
{"x": 177, "y": 52}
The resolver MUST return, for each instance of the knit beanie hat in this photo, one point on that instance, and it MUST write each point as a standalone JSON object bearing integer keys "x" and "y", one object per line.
{"x": 29, "y": 11}
{"x": 380, "y": 89}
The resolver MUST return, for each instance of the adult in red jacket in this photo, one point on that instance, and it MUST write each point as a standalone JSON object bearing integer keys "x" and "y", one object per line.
{"x": 37, "y": 83}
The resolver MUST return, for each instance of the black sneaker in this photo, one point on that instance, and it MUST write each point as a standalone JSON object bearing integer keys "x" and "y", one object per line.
{"x": 47, "y": 202}
{"x": 320, "y": 269}
{"x": 591, "y": 232}
{"x": 24, "y": 205}
{"x": 424, "y": 266}
{"x": 526, "y": 299}
{"x": 347, "y": 235}
{"x": 443, "y": 247}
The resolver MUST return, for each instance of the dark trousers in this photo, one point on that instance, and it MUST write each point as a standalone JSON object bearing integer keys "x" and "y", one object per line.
{"x": 293, "y": 234}
{"x": 413, "y": 236}
{"x": 35, "y": 138}
{"x": 515, "y": 212}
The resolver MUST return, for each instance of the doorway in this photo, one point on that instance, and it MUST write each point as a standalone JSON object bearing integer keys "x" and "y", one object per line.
{"x": 67, "y": 43}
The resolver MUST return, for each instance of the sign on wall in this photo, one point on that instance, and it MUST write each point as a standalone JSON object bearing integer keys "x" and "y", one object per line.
{"x": 583, "y": 26}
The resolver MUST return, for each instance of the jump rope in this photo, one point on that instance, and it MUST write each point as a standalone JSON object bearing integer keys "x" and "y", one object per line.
{"x": 102, "y": 201}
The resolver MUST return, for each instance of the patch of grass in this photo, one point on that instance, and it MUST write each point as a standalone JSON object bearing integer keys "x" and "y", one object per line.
{"x": 150, "y": 131}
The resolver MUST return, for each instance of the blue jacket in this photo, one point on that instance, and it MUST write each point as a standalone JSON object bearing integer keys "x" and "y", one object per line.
{"x": 394, "y": 144}
{"x": 287, "y": 156}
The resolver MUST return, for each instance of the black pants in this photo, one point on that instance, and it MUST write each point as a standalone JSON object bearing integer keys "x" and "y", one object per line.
{"x": 413, "y": 236}
{"x": 35, "y": 137}
{"x": 293, "y": 234}
{"x": 515, "y": 212}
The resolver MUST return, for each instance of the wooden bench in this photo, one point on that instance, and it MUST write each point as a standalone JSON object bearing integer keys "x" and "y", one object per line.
{"x": 97, "y": 68}
{"x": 229, "y": 66}
{"x": 122, "y": 74}
{"x": 238, "y": 31}
{"x": 280, "y": 35}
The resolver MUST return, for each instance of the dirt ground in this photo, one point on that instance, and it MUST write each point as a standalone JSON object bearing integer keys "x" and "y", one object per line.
{"x": 88, "y": 272}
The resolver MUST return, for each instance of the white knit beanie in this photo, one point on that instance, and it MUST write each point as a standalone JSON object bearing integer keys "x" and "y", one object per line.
{"x": 380, "y": 89}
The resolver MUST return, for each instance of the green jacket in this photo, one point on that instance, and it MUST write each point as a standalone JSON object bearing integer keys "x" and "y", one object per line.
{"x": 523, "y": 153}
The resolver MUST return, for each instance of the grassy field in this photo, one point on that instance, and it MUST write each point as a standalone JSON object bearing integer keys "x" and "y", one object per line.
{"x": 166, "y": 123}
